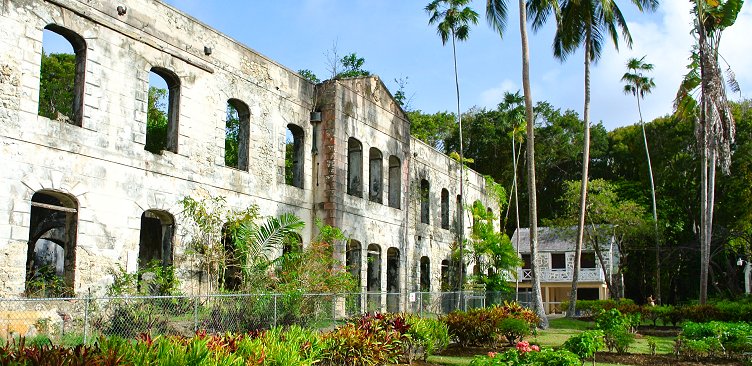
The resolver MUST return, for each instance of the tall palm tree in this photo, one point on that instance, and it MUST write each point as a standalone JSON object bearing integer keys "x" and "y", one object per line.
{"x": 453, "y": 19}
{"x": 714, "y": 127}
{"x": 496, "y": 14}
{"x": 638, "y": 85}
{"x": 587, "y": 23}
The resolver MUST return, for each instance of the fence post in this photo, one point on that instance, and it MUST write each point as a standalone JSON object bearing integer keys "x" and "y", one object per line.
{"x": 195, "y": 313}
{"x": 86, "y": 317}
{"x": 275, "y": 309}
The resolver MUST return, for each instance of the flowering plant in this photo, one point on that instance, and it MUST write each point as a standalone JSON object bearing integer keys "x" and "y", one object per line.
{"x": 525, "y": 347}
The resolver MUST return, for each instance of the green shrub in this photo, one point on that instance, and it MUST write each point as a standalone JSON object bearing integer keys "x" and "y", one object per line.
{"x": 513, "y": 330}
{"x": 514, "y": 357}
{"x": 585, "y": 344}
{"x": 481, "y": 326}
{"x": 733, "y": 337}
{"x": 426, "y": 336}
{"x": 618, "y": 339}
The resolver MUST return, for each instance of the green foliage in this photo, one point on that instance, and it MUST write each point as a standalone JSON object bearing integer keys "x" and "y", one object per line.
{"x": 618, "y": 329}
{"x": 369, "y": 340}
{"x": 353, "y": 66}
{"x": 433, "y": 129}
{"x": 732, "y": 337}
{"x": 488, "y": 243}
{"x": 481, "y": 326}
{"x": 585, "y": 344}
{"x": 151, "y": 279}
{"x": 156, "y": 120}
{"x": 514, "y": 357}
{"x": 513, "y": 330}
{"x": 232, "y": 136}
{"x": 309, "y": 75}
{"x": 56, "y": 86}
{"x": 426, "y": 336}
{"x": 46, "y": 283}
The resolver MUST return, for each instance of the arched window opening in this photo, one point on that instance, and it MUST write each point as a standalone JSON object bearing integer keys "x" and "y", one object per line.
{"x": 425, "y": 201}
{"x": 354, "y": 167}
{"x": 373, "y": 277}
{"x": 162, "y": 111}
{"x": 393, "y": 280}
{"x": 375, "y": 175}
{"x": 294, "y": 155}
{"x": 155, "y": 242}
{"x": 352, "y": 260}
{"x": 233, "y": 276}
{"x": 425, "y": 274}
{"x": 395, "y": 181}
{"x": 237, "y": 134}
{"x": 444, "y": 209}
{"x": 51, "y": 252}
{"x": 62, "y": 73}
{"x": 446, "y": 273}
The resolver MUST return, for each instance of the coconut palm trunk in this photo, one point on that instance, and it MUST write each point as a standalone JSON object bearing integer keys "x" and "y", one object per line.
{"x": 584, "y": 184}
{"x": 531, "y": 187}
{"x": 655, "y": 209}
{"x": 461, "y": 209}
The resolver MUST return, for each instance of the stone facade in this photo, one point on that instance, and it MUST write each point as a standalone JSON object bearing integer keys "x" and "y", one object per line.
{"x": 93, "y": 176}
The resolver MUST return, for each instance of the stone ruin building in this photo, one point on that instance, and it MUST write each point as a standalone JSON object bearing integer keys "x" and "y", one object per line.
{"x": 81, "y": 193}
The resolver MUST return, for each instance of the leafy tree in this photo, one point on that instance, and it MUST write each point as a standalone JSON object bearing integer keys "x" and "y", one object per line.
{"x": 56, "y": 86}
{"x": 433, "y": 129}
{"x": 453, "y": 19}
{"x": 587, "y": 23}
{"x": 309, "y": 75}
{"x": 156, "y": 120}
{"x": 714, "y": 128}
{"x": 486, "y": 242}
{"x": 353, "y": 67}
{"x": 638, "y": 85}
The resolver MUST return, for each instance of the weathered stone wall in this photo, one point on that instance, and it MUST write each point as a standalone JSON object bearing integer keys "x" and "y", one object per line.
{"x": 102, "y": 164}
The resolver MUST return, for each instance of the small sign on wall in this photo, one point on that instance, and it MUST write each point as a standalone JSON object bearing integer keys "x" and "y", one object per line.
{"x": 412, "y": 297}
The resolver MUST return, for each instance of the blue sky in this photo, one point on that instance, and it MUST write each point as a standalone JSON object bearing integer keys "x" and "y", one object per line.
{"x": 396, "y": 41}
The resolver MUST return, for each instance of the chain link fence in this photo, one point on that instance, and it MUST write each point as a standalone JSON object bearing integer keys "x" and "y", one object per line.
{"x": 79, "y": 320}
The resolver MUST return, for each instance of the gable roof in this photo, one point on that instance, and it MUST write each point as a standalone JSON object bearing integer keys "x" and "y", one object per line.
{"x": 551, "y": 239}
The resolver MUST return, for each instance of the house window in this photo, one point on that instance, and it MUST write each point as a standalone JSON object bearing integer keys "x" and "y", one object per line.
{"x": 61, "y": 77}
{"x": 294, "y": 155}
{"x": 51, "y": 251}
{"x": 352, "y": 260}
{"x": 425, "y": 274}
{"x": 558, "y": 261}
{"x": 444, "y": 209}
{"x": 375, "y": 174}
{"x": 237, "y": 134}
{"x": 395, "y": 181}
{"x": 233, "y": 278}
{"x": 162, "y": 111}
{"x": 425, "y": 201}
{"x": 587, "y": 260}
{"x": 354, "y": 167}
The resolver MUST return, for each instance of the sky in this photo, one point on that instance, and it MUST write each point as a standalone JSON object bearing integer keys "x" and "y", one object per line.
{"x": 396, "y": 41}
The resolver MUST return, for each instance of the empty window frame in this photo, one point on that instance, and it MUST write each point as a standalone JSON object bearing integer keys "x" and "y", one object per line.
{"x": 375, "y": 175}
{"x": 373, "y": 272}
{"x": 425, "y": 274}
{"x": 558, "y": 261}
{"x": 354, "y": 167}
{"x": 587, "y": 260}
{"x": 460, "y": 215}
{"x": 294, "y": 155}
{"x": 156, "y": 238}
{"x": 162, "y": 111}
{"x": 352, "y": 260}
{"x": 526, "y": 263}
{"x": 62, "y": 73}
{"x": 444, "y": 208}
{"x": 51, "y": 252}
{"x": 237, "y": 134}
{"x": 233, "y": 276}
{"x": 395, "y": 181}
{"x": 425, "y": 201}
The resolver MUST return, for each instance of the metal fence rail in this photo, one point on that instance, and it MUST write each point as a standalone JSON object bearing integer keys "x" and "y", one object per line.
{"x": 77, "y": 320}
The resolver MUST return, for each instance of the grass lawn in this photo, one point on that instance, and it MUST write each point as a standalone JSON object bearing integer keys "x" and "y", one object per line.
{"x": 559, "y": 331}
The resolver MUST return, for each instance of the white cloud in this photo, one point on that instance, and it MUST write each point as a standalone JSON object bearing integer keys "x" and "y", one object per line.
{"x": 490, "y": 98}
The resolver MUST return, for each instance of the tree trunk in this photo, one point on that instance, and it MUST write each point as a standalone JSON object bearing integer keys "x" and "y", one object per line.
{"x": 532, "y": 203}
{"x": 606, "y": 273}
{"x": 461, "y": 209}
{"x": 655, "y": 209}
{"x": 584, "y": 185}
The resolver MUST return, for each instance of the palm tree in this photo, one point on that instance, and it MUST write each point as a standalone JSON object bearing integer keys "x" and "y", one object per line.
{"x": 638, "y": 85}
{"x": 453, "y": 19}
{"x": 714, "y": 127}
{"x": 496, "y": 14}
{"x": 588, "y": 23}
